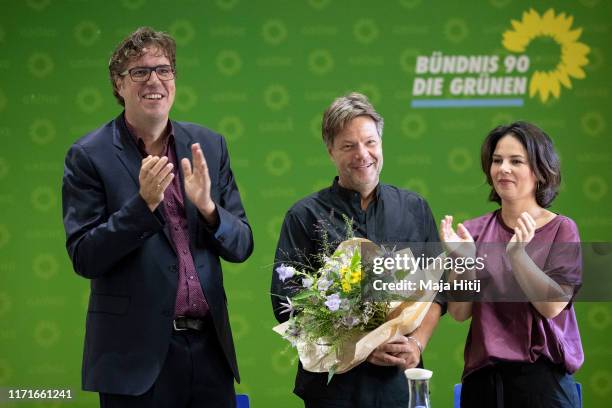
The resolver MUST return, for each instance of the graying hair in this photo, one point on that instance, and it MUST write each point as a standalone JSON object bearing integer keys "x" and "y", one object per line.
{"x": 343, "y": 110}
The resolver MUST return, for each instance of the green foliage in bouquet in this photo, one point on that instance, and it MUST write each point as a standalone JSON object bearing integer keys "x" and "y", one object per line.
{"x": 327, "y": 307}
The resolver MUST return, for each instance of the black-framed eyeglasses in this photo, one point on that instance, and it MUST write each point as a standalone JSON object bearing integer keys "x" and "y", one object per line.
{"x": 142, "y": 74}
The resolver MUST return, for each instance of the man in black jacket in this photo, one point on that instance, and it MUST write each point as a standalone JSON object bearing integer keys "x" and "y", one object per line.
{"x": 352, "y": 131}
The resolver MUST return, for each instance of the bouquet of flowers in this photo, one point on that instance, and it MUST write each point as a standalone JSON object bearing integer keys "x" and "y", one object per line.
{"x": 332, "y": 326}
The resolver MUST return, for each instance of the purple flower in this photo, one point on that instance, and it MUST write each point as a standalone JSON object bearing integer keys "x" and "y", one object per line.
{"x": 307, "y": 282}
{"x": 323, "y": 284}
{"x": 285, "y": 272}
{"x": 333, "y": 302}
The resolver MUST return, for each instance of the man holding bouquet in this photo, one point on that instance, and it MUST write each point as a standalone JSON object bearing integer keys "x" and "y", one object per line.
{"x": 352, "y": 131}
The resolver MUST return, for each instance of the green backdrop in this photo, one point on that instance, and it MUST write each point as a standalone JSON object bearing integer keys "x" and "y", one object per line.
{"x": 261, "y": 73}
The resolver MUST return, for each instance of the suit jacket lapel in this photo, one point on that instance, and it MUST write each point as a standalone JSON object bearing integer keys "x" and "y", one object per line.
{"x": 127, "y": 152}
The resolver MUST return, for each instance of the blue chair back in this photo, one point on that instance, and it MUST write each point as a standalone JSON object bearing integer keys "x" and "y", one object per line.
{"x": 457, "y": 395}
{"x": 242, "y": 401}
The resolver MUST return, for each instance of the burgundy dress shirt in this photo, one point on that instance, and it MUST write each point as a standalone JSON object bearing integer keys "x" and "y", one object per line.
{"x": 190, "y": 300}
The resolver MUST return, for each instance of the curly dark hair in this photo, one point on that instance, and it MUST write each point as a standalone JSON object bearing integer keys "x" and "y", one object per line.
{"x": 541, "y": 156}
{"x": 133, "y": 47}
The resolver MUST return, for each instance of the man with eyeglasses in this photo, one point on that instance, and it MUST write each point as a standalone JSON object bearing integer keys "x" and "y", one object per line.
{"x": 150, "y": 206}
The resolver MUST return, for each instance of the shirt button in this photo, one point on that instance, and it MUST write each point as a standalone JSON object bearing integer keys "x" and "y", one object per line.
{"x": 194, "y": 305}
{"x": 191, "y": 277}
{"x": 185, "y": 251}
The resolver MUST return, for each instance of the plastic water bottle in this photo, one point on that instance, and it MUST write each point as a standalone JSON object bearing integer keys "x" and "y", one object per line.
{"x": 418, "y": 386}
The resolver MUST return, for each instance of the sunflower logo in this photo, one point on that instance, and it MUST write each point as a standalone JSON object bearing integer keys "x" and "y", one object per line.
{"x": 573, "y": 53}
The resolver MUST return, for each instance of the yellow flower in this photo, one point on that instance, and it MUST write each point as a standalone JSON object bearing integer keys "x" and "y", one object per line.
{"x": 346, "y": 286}
{"x": 573, "y": 53}
{"x": 356, "y": 276}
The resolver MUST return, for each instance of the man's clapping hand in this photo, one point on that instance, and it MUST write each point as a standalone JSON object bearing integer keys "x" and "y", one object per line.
{"x": 155, "y": 176}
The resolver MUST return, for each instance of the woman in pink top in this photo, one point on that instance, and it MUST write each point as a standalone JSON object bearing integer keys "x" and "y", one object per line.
{"x": 519, "y": 353}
